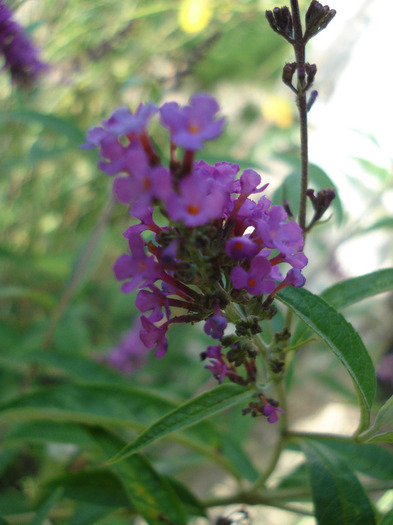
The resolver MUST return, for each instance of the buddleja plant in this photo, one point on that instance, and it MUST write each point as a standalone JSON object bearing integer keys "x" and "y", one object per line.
{"x": 210, "y": 247}
{"x": 206, "y": 245}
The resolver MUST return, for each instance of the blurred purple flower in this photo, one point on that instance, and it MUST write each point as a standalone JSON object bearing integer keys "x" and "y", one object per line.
{"x": 20, "y": 55}
{"x": 385, "y": 368}
{"x": 123, "y": 122}
{"x": 191, "y": 125}
{"x": 130, "y": 354}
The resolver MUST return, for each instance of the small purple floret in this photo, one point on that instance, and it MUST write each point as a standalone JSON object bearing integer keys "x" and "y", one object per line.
{"x": 191, "y": 125}
{"x": 257, "y": 280}
{"x": 241, "y": 248}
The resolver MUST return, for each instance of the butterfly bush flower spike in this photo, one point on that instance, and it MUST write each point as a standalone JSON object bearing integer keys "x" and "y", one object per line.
{"x": 216, "y": 256}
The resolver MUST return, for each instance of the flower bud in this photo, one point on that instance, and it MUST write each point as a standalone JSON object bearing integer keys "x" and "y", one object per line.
{"x": 317, "y": 18}
{"x": 280, "y": 20}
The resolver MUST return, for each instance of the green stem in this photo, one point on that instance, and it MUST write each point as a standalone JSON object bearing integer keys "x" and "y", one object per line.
{"x": 274, "y": 496}
{"x": 298, "y": 345}
{"x": 292, "y": 434}
{"x": 299, "y": 46}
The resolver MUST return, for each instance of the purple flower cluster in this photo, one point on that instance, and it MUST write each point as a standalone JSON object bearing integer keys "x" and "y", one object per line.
{"x": 222, "y": 242}
{"x": 20, "y": 55}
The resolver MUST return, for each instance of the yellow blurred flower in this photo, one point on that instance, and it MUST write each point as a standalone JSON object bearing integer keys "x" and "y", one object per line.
{"x": 278, "y": 111}
{"x": 194, "y": 15}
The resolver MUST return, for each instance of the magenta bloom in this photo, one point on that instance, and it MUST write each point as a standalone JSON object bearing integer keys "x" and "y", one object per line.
{"x": 20, "y": 55}
{"x": 155, "y": 301}
{"x": 191, "y": 125}
{"x": 257, "y": 280}
{"x": 270, "y": 411}
{"x": 216, "y": 324}
{"x": 199, "y": 201}
{"x": 241, "y": 248}
{"x": 154, "y": 336}
{"x": 216, "y": 365}
{"x": 140, "y": 268}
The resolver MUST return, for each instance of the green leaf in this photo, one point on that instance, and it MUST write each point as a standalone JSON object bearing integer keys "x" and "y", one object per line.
{"x": 97, "y": 486}
{"x": 341, "y": 337}
{"x": 59, "y": 125}
{"x": 47, "y": 430}
{"x": 89, "y": 514}
{"x": 107, "y": 405}
{"x": 45, "y": 507}
{"x": 338, "y": 496}
{"x": 77, "y": 366}
{"x": 386, "y": 222}
{"x": 371, "y": 460}
{"x": 354, "y": 290}
{"x": 383, "y": 420}
{"x": 387, "y": 519}
{"x": 3, "y": 521}
{"x": 191, "y": 503}
{"x": 149, "y": 492}
{"x": 185, "y": 415}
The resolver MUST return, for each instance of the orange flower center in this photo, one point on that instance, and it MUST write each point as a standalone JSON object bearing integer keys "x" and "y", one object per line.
{"x": 251, "y": 282}
{"x": 193, "y": 209}
{"x": 193, "y": 128}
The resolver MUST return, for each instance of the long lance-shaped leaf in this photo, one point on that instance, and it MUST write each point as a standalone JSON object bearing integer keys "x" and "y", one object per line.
{"x": 338, "y": 496}
{"x": 342, "y": 338}
{"x": 151, "y": 495}
{"x": 354, "y": 290}
{"x": 351, "y": 291}
{"x": 185, "y": 415}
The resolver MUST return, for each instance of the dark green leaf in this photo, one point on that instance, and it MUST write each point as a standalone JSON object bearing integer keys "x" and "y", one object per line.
{"x": 341, "y": 337}
{"x": 354, "y": 290}
{"x": 149, "y": 492}
{"x": 371, "y": 460}
{"x": 338, "y": 496}
{"x": 98, "y": 487}
{"x": 187, "y": 414}
{"x": 46, "y": 430}
{"x": 72, "y": 364}
{"x": 45, "y": 507}
{"x": 92, "y": 404}
{"x": 191, "y": 503}
{"x": 89, "y": 514}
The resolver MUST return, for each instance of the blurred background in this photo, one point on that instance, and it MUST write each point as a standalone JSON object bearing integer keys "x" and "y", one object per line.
{"x": 60, "y": 231}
